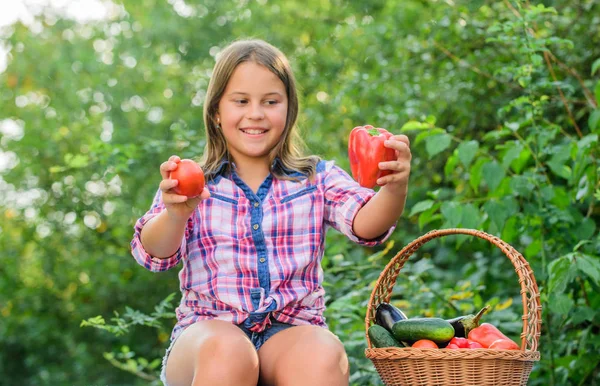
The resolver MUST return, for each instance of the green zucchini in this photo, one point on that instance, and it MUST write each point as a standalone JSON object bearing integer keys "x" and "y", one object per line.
{"x": 380, "y": 337}
{"x": 412, "y": 330}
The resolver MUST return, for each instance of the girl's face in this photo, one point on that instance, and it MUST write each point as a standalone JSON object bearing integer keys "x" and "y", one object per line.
{"x": 252, "y": 112}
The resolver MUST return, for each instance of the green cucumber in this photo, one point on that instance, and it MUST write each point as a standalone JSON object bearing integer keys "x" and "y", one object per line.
{"x": 380, "y": 337}
{"x": 412, "y": 330}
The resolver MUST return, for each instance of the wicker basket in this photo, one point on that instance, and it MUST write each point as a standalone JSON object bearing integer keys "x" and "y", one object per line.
{"x": 413, "y": 366}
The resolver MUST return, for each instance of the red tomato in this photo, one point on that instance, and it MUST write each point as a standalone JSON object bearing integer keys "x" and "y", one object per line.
{"x": 190, "y": 177}
{"x": 424, "y": 343}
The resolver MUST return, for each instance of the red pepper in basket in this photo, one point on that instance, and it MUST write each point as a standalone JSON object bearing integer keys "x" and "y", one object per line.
{"x": 473, "y": 345}
{"x": 366, "y": 151}
{"x": 503, "y": 344}
{"x": 458, "y": 343}
{"x": 487, "y": 333}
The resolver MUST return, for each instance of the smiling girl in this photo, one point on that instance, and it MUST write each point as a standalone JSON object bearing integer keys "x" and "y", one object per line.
{"x": 251, "y": 244}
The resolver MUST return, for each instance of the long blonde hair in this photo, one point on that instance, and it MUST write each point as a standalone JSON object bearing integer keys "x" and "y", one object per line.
{"x": 289, "y": 149}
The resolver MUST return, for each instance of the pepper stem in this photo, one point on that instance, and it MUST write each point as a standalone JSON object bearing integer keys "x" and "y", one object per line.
{"x": 373, "y": 132}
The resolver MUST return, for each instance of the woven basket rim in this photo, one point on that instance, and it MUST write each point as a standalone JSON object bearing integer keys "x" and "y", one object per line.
{"x": 529, "y": 293}
{"x": 393, "y": 353}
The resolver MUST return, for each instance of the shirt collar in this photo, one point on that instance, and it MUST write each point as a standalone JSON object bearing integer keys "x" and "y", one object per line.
{"x": 277, "y": 163}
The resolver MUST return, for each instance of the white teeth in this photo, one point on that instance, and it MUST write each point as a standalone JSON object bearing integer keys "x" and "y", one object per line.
{"x": 250, "y": 131}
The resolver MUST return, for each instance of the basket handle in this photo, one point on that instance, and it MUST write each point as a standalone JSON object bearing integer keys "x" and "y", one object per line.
{"x": 532, "y": 309}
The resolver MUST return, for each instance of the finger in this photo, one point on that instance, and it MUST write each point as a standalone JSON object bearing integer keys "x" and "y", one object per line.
{"x": 391, "y": 178}
{"x": 205, "y": 193}
{"x": 166, "y": 168}
{"x": 397, "y": 166}
{"x": 168, "y": 184}
{"x": 172, "y": 198}
{"x": 397, "y": 144}
{"x": 174, "y": 158}
{"x": 402, "y": 138}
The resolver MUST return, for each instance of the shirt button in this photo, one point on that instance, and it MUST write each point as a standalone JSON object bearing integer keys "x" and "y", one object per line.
{"x": 255, "y": 226}
{"x": 262, "y": 260}
{"x": 256, "y": 204}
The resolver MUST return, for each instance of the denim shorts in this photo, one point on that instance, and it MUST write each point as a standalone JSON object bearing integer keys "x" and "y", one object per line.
{"x": 257, "y": 339}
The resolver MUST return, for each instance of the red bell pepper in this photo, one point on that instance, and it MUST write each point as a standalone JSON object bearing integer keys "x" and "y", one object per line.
{"x": 487, "y": 333}
{"x": 366, "y": 150}
{"x": 503, "y": 344}
{"x": 473, "y": 345}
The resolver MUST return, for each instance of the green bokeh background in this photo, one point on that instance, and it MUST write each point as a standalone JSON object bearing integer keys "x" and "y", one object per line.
{"x": 499, "y": 99}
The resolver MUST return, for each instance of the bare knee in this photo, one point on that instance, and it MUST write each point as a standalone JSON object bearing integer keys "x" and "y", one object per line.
{"x": 212, "y": 352}
{"x": 304, "y": 355}
{"x": 225, "y": 354}
{"x": 329, "y": 359}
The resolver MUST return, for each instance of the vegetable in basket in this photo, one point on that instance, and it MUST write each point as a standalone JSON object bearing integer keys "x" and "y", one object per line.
{"x": 380, "y": 337}
{"x": 386, "y": 315}
{"x": 491, "y": 337}
{"x": 458, "y": 343}
{"x": 411, "y": 330}
{"x": 464, "y": 324}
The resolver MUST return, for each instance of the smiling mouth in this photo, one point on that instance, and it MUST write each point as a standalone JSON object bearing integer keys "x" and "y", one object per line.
{"x": 252, "y": 131}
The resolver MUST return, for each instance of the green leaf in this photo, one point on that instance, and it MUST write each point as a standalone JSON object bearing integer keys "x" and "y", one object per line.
{"x": 451, "y": 165}
{"x": 597, "y": 91}
{"x": 557, "y": 163}
{"x": 560, "y": 272}
{"x": 595, "y": 66}
{"x": 467, "y": 151}
{"x": 534, "y": 248}
{"x": 421, "y": 206}
{"x": 452, "y": 214}
{"x": 426, "y": 134}
{"x": 589, "y": 266}
{"x": 514, "y": 149}
{"x": 582, "y": 314}
{"x": 475, "y": 174}
{"x": 594, "y": 120}
{"x": 429, "y": 216}
{"x": 76, "y": 161}
{"x": 496, "y": 212}
{"x": 437, "y": 143}
{"x": 493, "y": 174}
{"x": 560, "y": 304}
{"x": 511, "y": 230}
{"x": 471, "y": 216}
{"x": 415, "y": 125}
{"x": 585, "y": 229}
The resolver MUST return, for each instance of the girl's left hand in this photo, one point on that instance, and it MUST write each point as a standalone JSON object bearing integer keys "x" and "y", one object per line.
{"x": 400, "y": 168}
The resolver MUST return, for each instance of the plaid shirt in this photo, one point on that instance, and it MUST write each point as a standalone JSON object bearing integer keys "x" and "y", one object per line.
{"x": 250, "y": 256}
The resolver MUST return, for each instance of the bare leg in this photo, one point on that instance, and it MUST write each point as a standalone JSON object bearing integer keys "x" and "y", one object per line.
{"x": 212, "y": 352}
{"x": 303, "y": 355}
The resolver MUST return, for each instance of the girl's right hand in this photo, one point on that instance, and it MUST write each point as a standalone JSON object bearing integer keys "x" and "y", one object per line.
{"x": 177, "y": 205}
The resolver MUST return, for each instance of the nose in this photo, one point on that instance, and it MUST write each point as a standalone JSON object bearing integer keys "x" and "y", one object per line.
{"x": 256, "y": 112}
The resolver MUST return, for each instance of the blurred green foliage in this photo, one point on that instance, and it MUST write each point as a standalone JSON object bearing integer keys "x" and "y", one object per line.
{"x": 499, "y": 98}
